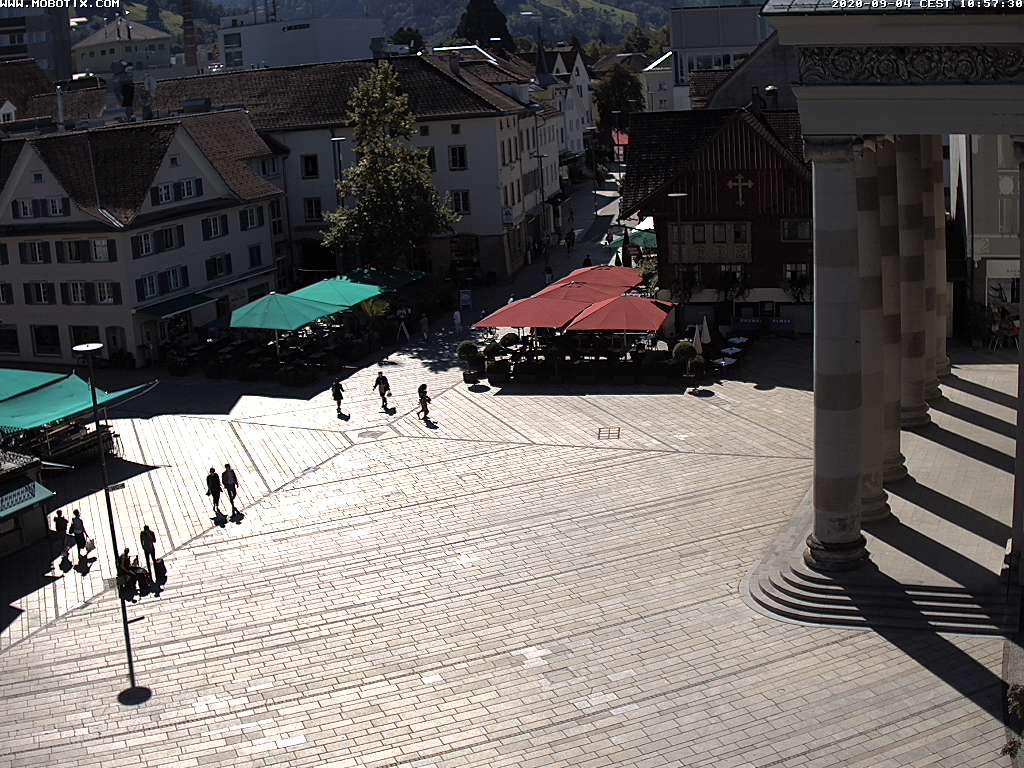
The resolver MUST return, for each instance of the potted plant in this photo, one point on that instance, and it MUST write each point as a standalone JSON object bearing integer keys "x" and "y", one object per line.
{"x": 472, "y": 360}
{"x": 696, "y": 368}
{"x": 510, "y": 340}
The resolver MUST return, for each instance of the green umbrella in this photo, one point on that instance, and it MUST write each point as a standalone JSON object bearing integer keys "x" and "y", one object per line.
{"x": 280, "y": 312}
{"x": 339, "y": 291}
{"x": 645, "y": 238}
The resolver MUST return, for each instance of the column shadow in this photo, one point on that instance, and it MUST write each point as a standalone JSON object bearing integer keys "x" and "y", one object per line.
{"x": 24, "y": 573}
{"x": 967, "y": 447}
{"x": 976, "y": 417}
{"x": 980, "y": 390}
{"x": 951, "y": 510}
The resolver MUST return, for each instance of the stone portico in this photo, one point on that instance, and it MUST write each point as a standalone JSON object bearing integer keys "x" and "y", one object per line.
{"x": 878, "y": 91}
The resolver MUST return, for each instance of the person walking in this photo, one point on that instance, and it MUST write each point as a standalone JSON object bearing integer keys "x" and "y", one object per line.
{"x": 383, "y": 387}
{"x": 424, "y": 326}
{"x": 229, "y": 480}
{"x": 457, "y": 321}
{"x": 147, "y": 539}
{"x": 570, "y": 241}
{"x": 213, "y": 489}
{"x": 78, "y": 532}
{"x": 548, "y": 275}
{"x": 424, "y": 402}
{"x": 587, "y": 262}
{"x": 60, "y": 527}
{"x": 338, "y": 394}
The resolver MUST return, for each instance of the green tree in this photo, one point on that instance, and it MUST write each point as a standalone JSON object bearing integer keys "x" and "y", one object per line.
{"x": 483, "y": 20}
{"x": 391, "y": 205}
{"x": 637, "y": 41}
{"x": 617, "y": 95}
{"x": 411, "y": 37}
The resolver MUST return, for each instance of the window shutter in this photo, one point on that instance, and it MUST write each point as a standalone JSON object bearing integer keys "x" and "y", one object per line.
{"x": 7, "y": 291}
{"x": 242, "y": 226}
{"x": 3, "y": 253}
{"x": 140, "y": 290}
{"x": 179, "y": 236}
{"x": 259, "y": 216}
{"x": 177, "y": 190}
{"x": 61, "y": 251}
{"x": 117, "y": 292}
{"x": 15, "y": 209}
{"x": 136, "y": 246}
{"x": 36, "y": 207}
{"x": 224, "y": 224}
{"x": 45, "y": 251}
{"x": 183, "y": 272}
{"x": 112, "y": 250}
{"x": 90, "y": 293}
{"x": 28, "y": 293}
{"x": 163, "y": 282}
{"x": 227, "y": 263}
{"x": 199, "y": 187}
{"x": 211, "y": 269}
{"x": 84, "y": 249}
{"x": 64, "y": 293}
{"x": 50, "y": 292}
{"x": 154, "y": 196}
{"x": 23, "y": 253}
{"x": 207, "y": 231}
{"x": 65, "y": 207}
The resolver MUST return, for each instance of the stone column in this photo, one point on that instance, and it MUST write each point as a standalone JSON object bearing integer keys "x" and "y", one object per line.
{"x": 869, "y": 246}
{"x": 836, "y": 542}
{"x": 894, "y": 464}
{"x": 931, "y": 381}
{"x": 941, "y": 285}
{"x": 913, "y": 408}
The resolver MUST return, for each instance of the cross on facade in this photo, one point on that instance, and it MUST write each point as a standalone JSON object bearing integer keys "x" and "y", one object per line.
{"x": 740, "y": 183}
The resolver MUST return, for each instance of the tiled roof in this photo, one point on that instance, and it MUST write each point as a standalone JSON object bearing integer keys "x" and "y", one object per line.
{"x": 84, "y": 104}
{"x": 316, "y": 95}
{"x": 493, "y": 73}
{"x": 20, "y": 80}
{"x": 634, "y": 62}
{"x": 228, "y": 140}
{"x": 703, "y": 82}
{"x": 785, "y": 124}
{"x": 114, "y": 31}
{"x": 9, "y": 151}
{"x": 802, "y": 7}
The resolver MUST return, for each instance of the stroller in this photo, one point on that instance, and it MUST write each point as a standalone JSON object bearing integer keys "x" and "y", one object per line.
{"x": 134, "y": 580}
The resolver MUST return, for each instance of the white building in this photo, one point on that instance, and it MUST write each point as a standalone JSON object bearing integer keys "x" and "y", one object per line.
{"x": 712, "y": 35}
{"x": 122, "y": 40}
{"x": 658, "y": 79}
{"x": 133, "y": 235}
{"x": 479, "y": 141}
{"x": 244, "y": 44}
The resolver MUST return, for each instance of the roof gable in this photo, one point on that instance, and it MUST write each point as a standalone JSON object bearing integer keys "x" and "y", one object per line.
{"x": 120, "y": 30}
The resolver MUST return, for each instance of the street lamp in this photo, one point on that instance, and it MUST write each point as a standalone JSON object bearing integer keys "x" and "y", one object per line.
{"x": 133, "y": 694}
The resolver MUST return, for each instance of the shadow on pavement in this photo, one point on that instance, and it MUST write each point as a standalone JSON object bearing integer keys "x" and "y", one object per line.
{"x": 23, "y": 573}
{"x": 86, "y": 479}
{"x": 980, "y": 390}
{"x": 951, "y": 510}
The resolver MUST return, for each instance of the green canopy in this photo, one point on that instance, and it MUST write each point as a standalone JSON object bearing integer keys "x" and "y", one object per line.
{"x": 388, "y": 278}
{"x": 339, "y": 291}
{"x": 14, "y": 381}
{"x": 64, "y": 398}
{"x": 645, "y": 238}
{"x": 280, "y": 312}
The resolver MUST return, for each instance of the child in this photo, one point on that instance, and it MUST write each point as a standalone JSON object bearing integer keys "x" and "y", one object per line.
{"x": 424, "y": 402}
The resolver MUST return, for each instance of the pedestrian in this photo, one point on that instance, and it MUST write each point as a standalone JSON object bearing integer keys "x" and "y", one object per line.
{"x": 587, "y": 262}
{"x": 424, "y": 402}
{"x": 457, "y": 321}
{"x": 424, "y": 326}
{"x": 570, "y": 241}
{"x": 60, "y": 527}
{"x": 78, "y": 532}
{"x": 213, "y": 489}
{"x": 338, "y": 394}
{"x": 383, "y": 388}
{"x": 229, "y": 480}
{"x": 572, "y": 217}
{"x": 147, "y": 539}
{"x": 548, "y": 275}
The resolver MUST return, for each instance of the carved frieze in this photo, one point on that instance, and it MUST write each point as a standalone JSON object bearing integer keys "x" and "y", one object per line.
{"x": 907, "y": 65}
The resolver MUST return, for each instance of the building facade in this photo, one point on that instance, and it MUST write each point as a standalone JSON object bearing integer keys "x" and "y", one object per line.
{"x": 43, "y": 34}
{"x": 165, "y": 228}
{"x": 658, "y": 79}
{"x": 245, "y": 43}
{"x": 122, "y": 40}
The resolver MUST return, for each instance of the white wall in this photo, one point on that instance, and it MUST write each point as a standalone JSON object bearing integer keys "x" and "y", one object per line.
{"x": 300, "y": 41}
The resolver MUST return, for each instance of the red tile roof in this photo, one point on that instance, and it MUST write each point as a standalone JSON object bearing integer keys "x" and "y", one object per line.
{"x": 20, "y": 80}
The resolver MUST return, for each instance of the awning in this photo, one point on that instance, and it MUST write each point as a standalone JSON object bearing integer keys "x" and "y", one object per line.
{"x": 14, "y": 381}
{"x": 176, "y": 306}
{"x": 339, "y": 291}
{"x": 19, "y": 494}
{"x": 63, "y": 399}
{"x": 280, "y": 312}
{"x": 623, "y": 313}
{"x": 620, "y": 277}
{"x": 534, "y": 312}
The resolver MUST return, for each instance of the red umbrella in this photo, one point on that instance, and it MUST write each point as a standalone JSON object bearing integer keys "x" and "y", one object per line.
{"x": 619, "y": 277}
{"x": 623, "y": 313}
{"x": 534, "y": 312}
{"x": 580, "y": 292}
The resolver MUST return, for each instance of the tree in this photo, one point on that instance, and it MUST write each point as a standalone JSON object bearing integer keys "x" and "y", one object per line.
{"x": 152, "y": 12}
{"x": 637, "y": 41}
{"x": 411, "y": 37}
{"x": 617, "y": 95}
{"x": 483, "y": 20}
{"x": 394, "y": 205}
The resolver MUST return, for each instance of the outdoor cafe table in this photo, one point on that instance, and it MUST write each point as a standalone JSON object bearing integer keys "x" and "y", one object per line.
{"x": 724, "y": 362}
{"x": 731, "y": 351}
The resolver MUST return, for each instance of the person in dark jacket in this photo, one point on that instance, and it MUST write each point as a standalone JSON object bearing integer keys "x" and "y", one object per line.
{"x": 213, "y": 489}
{"x": 338, "y": 394}
{"x": 383, "y": 387}
{"x": 424, "y": 402}
{"x": 147, "y": 539}
{"x": 229, "y": 480}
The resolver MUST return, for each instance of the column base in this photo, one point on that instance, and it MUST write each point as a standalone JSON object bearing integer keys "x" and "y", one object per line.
{"x": 894, "y": 469}
{"x": 874, "y": 508}
{"x": 914, "y": 417}
{"x": 847, "y": 556}
{"x": 932, "y": 391}
{"x": 942, "y": 367}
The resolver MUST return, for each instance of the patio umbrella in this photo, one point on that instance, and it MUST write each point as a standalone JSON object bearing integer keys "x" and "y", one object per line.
{"x": 280, "y": 312}
{"x": 623, "y": 313}
{"x": 705, "y": 333}
{"x": 534, "y": 312}
{"x": 580, "y": 292}
{"x": 620, "y": 277}
{"x": 646, "y": 239}
{"x": 339, "y": 291}
{"x": 696, "y": 342}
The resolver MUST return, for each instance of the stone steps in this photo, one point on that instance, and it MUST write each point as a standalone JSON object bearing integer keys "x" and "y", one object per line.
{"x": 800, "y": 594}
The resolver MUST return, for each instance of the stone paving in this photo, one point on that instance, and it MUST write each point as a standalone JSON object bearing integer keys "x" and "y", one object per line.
{"x": 504, "y": 590}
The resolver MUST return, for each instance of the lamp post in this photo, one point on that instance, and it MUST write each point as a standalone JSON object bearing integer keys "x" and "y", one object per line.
{"x": 134, "y": 694}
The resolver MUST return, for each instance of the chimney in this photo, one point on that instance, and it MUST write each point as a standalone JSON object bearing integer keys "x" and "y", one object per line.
{"x": 772, "y": 96}
{"x": 453, "y": 65}
{"x": 60, "y": 108}
{"x": 188, "y": 33}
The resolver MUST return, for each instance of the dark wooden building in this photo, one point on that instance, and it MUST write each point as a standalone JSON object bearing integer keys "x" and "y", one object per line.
{"x": 738, "y": 240}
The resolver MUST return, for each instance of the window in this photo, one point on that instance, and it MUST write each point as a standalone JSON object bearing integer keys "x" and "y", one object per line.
{"x": 255, "y": 256}
{"x": 149, "y": 286}
{"x": 503, "y": 153}
{"x": 22, "y": 209}
{"x": 456, "y": 129}
{"x": 250, "y": 218}
{"x": 39, "y": 293}
{"x": 9, "y": 340}
{"x": 232, "y": 58}
{"x": 796, "y": 230}
{"x": 108, "y": 292}
{"x": 34, "y": 252}
{"x": 37, "y": 178}
{"x": 276, "y": 222}
{"x": 218, "y": 266}
{"x": 718, "y": 233}
{"x": 310, "y": 166}
{"x": 145, "y": 242}
{"x": 431, "y": 160}
{"x": 174, "y": 161}
{"x": 791, "y": 272}
{"x": 460, "y": 200}
{"x": 268, "y": 166}
{"x": 165, "y": 194}
{"x": 46, "y": 340}
{"x": 1008, "y": 224}
{"x": 312, "y": 209}
{"x": 76, "y": 293}
{"x": 233, "y": 40}
{"x": 6, "y": 293}
{"x": 214, "y": 227}
{"x": 735, "y": 270}
{"x": 189, "y": 188}
{"x": 739, "y": 233}
{"x": 100, "y": 250}
{"x": 457, "y": 158}
{"x": 699, "y": 235}
{"x": 173, "y": 279}
{"x": 424, "y": 130}
{"x": 84, "y": 334}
